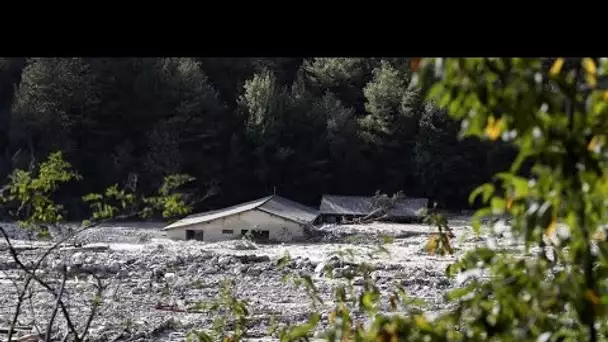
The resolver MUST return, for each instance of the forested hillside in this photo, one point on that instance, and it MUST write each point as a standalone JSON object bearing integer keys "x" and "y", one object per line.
{"x": 244, "y": 126}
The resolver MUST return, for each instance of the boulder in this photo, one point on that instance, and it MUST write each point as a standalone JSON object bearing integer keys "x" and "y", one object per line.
{"x": 211, "y": 270}
{"x": 254, "y": 271}
{"x": 252, "y": 258}
{"x": 169, "y": 277}
{"x": 224, "y": 261}
{"x": 330, "y": 263}
{"x": 78, "y": 258}
{"x": 203, "y": 256}
{"x": 113, "y": 267}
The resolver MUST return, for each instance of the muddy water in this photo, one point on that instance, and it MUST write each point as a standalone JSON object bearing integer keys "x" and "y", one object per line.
{"x": 152, "y": 284}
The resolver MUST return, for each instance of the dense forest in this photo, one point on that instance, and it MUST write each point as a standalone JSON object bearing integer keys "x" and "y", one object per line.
{"x": 244, "y": 127}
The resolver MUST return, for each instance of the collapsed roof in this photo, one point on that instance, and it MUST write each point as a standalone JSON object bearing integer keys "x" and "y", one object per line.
{"x": 362, "y": 206}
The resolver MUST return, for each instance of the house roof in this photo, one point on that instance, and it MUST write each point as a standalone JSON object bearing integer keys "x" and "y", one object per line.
{"x": 361, "y": 205}
{"x": 290, "y": 210}
{"x": 274, "y": 205}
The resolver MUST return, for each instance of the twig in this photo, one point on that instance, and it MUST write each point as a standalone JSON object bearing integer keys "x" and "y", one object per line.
{"x": 96, "y": 304}
{"x": 31, "y": 272}
{"x": 49, "y": 327}
{"x": 5, "y": 330}
{"x": 18, "y": 306}
{"x": 34, "y": 323}
{"x": 32, "y": 275}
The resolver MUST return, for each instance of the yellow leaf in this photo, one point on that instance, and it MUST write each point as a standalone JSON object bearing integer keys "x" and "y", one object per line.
{"x": 421, "y": 322}
{"x": 509, "y": 203}
{"x": 591, "y": 80}
{"x": 605, "y": 96}
{"x": 589, "y": 65}
{"x": 494, "y": 128}
{"x": 391, "y": 328}
{"x": 557, "y": 66}
{"x": 551, "y": 228}
{"x": 431, "y": 245}
{"x": 595, "y": 143}
{"x": 592, "y": 297}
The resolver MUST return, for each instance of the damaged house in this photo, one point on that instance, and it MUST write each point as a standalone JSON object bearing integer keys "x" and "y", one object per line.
{"x": 272, "y": 218}
{"x": 335, "y": 209}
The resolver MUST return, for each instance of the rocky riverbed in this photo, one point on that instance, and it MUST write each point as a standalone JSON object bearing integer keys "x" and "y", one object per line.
{"x": 152, "y": 286}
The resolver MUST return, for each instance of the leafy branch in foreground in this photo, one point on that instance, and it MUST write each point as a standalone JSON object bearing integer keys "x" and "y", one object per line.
{"x": 556, "y": 114}
{"x": 30, "y": 193}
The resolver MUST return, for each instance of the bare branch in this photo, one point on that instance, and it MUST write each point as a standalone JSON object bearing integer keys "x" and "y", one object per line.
{"x": 96, "y": 304}
{"x": 20, "y": 299}
{"x": 31, "y": 272}
{"x": 32, "y": 275}
{"x": 34, "y": 323}
{"x": 65, "y": 338}
{"x": 49, "y": 326}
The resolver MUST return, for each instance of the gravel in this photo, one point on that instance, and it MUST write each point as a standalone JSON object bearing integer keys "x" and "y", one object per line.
{"x": 153, "y": 284}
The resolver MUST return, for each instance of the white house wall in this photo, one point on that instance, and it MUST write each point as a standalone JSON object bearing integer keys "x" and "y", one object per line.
{"x": 279, "y": 229}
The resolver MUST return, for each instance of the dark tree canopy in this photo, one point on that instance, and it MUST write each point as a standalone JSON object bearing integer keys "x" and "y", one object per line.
{"x": 302, "y": 126}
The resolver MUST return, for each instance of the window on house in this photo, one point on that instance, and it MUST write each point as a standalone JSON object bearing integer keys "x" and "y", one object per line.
{"x": 227, "y": 231}
{"x": 195, "y": 235}
{"x": 261, "y": 235}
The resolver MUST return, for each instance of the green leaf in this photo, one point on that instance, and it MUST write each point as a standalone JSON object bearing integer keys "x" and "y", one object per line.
{"x": 283, "y": 261}
{"x": 520, "y": 184}
{"x": 367, "y": 301}
{"x": 200, "y": 336}
{"x": 309, "y": 283}
{"x": 301, "y": 331}
{"x": 285, "y": 277}
{"x": 92, "y": 197}
{"x": 416, "y": 302}
{"x": 485, "y": 190}
{"x": 387, "y": 239}
{"x": 476, "y": 219}
{"x": 382, "y": 249}
{"x": 458, "y": 293}
{"x": 498, "y": 205}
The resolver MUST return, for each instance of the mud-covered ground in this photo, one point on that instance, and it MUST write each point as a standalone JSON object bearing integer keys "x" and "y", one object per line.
{"x": 152, "y": 284}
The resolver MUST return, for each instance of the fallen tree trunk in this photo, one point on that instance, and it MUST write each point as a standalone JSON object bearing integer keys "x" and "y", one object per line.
{"x": 4, "y": 330}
